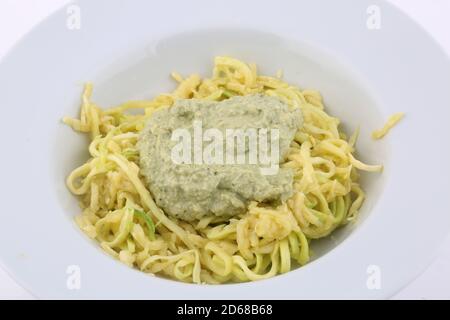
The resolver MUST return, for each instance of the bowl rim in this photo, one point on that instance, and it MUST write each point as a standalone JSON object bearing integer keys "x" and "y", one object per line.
{"x": 398, "y": 245}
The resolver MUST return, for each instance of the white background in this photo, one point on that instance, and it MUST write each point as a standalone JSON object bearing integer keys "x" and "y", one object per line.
{"x": 17, "y": 17}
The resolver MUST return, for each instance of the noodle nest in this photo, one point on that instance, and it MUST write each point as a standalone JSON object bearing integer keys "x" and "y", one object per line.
{"x": 118, "y": 210}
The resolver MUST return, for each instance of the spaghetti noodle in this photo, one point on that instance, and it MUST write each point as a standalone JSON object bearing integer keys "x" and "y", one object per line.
{"x": 391, "y": 122}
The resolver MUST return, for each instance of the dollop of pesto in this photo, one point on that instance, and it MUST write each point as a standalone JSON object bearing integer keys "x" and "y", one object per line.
{"x": 191, "y": 191}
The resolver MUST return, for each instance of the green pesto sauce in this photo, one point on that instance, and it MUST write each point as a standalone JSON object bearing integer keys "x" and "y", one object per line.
{"x": 192, "y": 191}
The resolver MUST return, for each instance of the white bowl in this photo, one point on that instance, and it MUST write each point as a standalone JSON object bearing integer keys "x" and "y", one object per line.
{"x": 128, "y": 52}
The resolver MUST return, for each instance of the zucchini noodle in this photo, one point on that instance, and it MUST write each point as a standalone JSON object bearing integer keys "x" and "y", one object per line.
{"x": 391, "y": 122}
{"x": 119, "y": 212}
